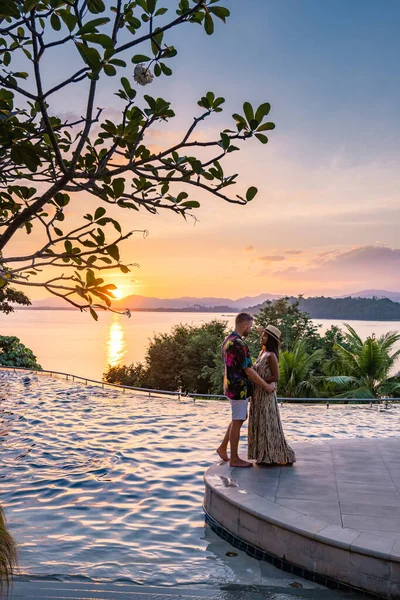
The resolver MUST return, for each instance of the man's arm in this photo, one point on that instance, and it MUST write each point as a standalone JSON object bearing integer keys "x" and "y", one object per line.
{"x": 255, "y": 378}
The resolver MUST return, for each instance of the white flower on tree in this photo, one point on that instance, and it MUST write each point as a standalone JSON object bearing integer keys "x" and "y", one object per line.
{"x": 142, "y": 75}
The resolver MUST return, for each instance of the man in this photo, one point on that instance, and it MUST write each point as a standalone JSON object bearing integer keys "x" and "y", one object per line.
{"x": 238, "y": 378}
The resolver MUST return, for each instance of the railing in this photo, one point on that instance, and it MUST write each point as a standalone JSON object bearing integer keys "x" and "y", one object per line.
{"x": 154, "y": 393}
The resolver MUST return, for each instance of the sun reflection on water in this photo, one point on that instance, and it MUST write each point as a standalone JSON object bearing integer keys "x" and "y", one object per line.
{"x": 116, "y": 345}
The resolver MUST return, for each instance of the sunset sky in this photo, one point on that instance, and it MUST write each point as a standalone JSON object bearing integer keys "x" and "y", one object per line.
{"x": 326, "y": 219}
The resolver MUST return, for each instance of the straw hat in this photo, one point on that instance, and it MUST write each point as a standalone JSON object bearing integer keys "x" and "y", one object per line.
{"x": 272, "y": 331}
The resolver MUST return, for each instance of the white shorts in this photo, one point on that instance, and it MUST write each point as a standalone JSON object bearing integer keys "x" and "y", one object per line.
{"x": 239, "y": 409}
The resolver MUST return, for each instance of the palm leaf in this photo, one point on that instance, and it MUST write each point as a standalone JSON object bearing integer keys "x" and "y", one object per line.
{"x": 352, "y": 337}
{"x": 350, "y": 360}
{"x": 361, "y": 392}
{"x": 389, "y": 339}
{"x": 372, "y": 359}
{"x": 389, "y": 388}
{"x": 8, "y": 555}
{"x": 341, "y": 380}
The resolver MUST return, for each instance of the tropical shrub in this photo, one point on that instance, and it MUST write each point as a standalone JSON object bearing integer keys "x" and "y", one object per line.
{"x": 14, "y": 354}
{"x": 297, "y": 377}
{"x": 362, "y": 369}
{"x": 186, "y": 358}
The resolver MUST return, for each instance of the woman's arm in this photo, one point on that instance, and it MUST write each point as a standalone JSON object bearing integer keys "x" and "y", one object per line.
{"x": 274, "y": 368}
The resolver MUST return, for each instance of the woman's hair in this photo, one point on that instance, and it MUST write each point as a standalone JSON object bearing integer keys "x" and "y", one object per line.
{"x": 272, "y": 345}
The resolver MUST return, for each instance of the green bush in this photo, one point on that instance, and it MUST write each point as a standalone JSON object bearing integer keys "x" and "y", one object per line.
{"x": 14, "y": 354}
{"x": 187, "y": 358}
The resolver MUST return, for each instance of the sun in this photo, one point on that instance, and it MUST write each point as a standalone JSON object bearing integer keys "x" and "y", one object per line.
{"x": 118, "y": 293}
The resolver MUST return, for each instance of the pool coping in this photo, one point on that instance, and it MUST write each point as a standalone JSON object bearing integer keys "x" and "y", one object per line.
{"x": 244, "y": 514}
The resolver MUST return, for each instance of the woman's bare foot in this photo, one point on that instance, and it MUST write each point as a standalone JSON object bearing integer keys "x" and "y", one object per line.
{"x": 240, "y": 463}
{"x": 222, "y": 454}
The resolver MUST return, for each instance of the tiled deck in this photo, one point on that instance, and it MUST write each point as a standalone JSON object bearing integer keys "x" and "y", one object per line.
{"x": 335, "y": 513}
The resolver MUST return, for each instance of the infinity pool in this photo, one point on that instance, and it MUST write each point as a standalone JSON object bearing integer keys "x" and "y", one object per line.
{"x": 104, "y": 485}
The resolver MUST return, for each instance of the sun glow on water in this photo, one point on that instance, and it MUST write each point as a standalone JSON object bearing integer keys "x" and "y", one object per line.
{"x": 116, "y": 344}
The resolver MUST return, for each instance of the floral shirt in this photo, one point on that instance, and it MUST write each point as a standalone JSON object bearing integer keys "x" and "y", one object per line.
{"x": 236, "y": 357}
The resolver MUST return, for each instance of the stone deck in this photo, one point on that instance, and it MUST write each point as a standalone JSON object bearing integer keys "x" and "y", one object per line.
{"x": 335, "y": 513}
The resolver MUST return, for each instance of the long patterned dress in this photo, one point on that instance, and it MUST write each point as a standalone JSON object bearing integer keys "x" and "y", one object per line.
{"x": 266, "y": 439}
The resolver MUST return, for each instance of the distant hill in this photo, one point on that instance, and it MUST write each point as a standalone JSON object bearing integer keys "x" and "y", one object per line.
{"x": 359, "y": 309}
{"x": 136, "y": 302}
{"x": 395, "y": 296}
{"x": 372, "y": 305}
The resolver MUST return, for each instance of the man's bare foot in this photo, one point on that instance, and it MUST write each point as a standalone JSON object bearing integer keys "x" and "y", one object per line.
{"x": 240, "y": 463}
{"x": 222, "y": 454}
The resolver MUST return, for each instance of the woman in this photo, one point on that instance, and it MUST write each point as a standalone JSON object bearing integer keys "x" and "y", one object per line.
{"x": 267, "y": 444}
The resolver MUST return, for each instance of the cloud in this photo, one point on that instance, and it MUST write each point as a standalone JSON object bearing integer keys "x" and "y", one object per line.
{"x": 249, "y": 248}
{"x": 364, "y": 267}
{"x": 268, "y": 259}
{"x": 294, "y": 252}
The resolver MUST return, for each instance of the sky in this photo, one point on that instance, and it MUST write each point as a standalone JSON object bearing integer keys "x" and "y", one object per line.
{"x": 327, "y": 215}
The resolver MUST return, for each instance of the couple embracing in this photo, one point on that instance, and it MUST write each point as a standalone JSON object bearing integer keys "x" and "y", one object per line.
{"x": 244, "y": 382}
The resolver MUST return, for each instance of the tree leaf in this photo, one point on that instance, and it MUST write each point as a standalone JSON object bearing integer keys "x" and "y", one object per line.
{"x": 251, "y": 193}
{"x": 208, "y": 24}
{"x": 96, "y": 6}
{"x": 89, "y": 55}
{"x": 94, "y": 314}
{"x": 140, "y": 58}
{"x": 28, "y": 6}
{"x": 69, "y": 19}
{"x": 113, "y": 251}
{"x": 118, "y": 186}
{"x": 263, "y": 138}
{"x": 166, "y": 70}
{"x": 191, "y": 204}
{"x": 90, "y": 26}
{"x": 98, "y": 38}
{"x": 262, "y": 111}
{"x": 248, "y": 111}
{"x": 266, "y": 127}
{"x": 55, "y": 22}
{"x": 110, "y": 70}
{"x": 99, "y": 213}
{"x": 220, "y": 11}
{"x": 151, "y": 6}
{"x": 181, "y": 196}
{"x": 225, "y": 141}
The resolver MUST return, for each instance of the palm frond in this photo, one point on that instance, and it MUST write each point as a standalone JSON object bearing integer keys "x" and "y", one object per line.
{"x": 389, "y": 388}
{"x": 307, "y": 389}
{"x": 8, "y": 555}
{"x": 350, "y": 360}
{"x": 389, "y": 339}
{"x": 372, "y": 359}
{"x": 341, "y": 380}
{"x": 352, "y": 337}
{"x": 360, "y": 392}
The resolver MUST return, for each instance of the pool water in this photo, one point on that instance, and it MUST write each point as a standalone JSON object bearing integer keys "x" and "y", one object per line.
{"x": 103, "y": 485}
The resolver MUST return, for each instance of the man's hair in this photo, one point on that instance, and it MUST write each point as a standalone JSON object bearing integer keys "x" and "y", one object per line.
{"x": 243, "y": 317}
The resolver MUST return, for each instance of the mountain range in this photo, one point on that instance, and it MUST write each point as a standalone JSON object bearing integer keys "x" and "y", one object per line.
{"x": 136, "y": 302}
